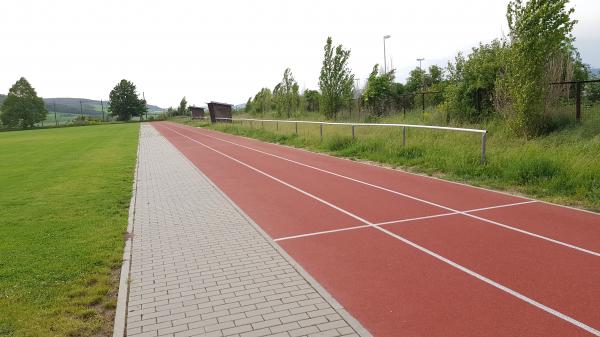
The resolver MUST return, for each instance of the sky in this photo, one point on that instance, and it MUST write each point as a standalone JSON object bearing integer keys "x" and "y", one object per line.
{"x": 228, "y": 50}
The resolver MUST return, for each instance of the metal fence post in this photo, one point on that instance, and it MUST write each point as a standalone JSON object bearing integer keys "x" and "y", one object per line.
{"x": 483, "y": 141}
{"x": 403, "y": 135}
{"x": 276, "y": 126}
{"x": 352, "y": 131}
{"x": 578, "y": 101}
{"x": 321, "y": 127}
{"x": 296, "y": 128}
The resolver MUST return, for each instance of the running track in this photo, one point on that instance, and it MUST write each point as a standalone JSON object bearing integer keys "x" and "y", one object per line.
{"x": 409, "y": 255}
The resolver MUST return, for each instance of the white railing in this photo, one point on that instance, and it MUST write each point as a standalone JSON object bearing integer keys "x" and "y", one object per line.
{"x": 354, "y": 125}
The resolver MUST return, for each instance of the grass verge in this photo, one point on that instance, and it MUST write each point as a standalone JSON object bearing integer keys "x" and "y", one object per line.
{"x": 562, "y": 167}
{"x": 65, "y": 194}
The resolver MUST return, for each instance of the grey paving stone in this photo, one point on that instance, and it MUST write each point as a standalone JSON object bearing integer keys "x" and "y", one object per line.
{"x": 200, "y": 268}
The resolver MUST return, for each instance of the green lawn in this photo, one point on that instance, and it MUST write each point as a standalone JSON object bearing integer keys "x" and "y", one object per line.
{"x": 64, "y": 196}
{"x": 562, "y": 167}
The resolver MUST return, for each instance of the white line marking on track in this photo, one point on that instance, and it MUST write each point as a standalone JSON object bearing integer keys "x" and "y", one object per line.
{"x": 522, "y": 231}
{"x": 410, "y": 243}
{"x": 501, "y": 206}
{"x": 321, "y": 232}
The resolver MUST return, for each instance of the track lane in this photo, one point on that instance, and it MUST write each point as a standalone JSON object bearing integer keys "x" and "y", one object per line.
{"x": 228, "y": 149}
{"x": 581, "y": 228}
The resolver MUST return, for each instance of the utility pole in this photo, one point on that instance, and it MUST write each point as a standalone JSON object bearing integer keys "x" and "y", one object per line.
{"x": 421, "y": 71}
{"x": 422, "y": 83}
{"x": 385, "y": 37}
{"x": 145, "y": 106}
{"x": 102, "y": 104}
{"x": 55, "y": 120}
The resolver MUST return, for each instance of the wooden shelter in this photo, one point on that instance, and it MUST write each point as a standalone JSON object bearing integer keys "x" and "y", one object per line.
{"x": 219, "y": 110}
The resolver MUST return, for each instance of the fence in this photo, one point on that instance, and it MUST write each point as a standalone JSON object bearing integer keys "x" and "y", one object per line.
{"x": 353, "y": 127}
{"x": 576, "y": 100}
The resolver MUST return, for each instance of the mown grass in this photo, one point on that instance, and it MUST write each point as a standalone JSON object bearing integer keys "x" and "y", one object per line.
{"x": 562, "y": 167}
{"x": 65, "y": 195}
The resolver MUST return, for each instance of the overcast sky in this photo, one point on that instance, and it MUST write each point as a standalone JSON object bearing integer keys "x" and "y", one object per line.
{"x": 227, "y": 50}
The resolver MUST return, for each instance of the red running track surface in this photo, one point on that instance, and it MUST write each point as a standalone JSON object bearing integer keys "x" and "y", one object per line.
{"x": 453, "y": 260}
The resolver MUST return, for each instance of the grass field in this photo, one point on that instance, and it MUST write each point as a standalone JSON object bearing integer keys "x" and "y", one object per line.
{"x": 64, "y": 195}
{"x": 562, "y": 167}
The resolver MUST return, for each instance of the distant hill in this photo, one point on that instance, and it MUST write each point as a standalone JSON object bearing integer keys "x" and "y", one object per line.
{"x": 595, "y": 71}
{"x": 89, "y": 106}
{"x": 72, "y": 106}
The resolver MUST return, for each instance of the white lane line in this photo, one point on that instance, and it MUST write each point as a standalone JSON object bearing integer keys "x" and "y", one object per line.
{"x": 522, "y": 231}
{"x": 321, "y": 232}
{"x": 414, "y": 245}
{"x": 396, "y": 221}
{"x": 502, "y": 206}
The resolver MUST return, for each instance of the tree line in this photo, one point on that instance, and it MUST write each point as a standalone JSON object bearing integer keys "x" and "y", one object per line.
{"x": 23, "y": 108}
{"x": 508, "y": 78}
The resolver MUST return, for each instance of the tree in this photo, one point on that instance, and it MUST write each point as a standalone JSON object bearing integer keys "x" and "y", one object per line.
{"x": 312, "y": 98}
{"x": 469, "y": 95}
{"x": 336, "y": 80}
{"x": 124, "y": 102}
{"x": 379, "y": 92}
{"x": 415, "y": 80}
{"x": 182, "y": 109}
{"x": 286, "y": 95}
{"x": 22, "y": 107}
{"x": 249, "y": 106}
{"x": 262, "y": 101}
{"x": 540, "y": 31}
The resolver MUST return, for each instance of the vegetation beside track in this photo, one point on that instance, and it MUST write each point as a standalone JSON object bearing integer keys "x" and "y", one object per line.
{"x": 65, "y": 195}
{"x": 561, "y": 167}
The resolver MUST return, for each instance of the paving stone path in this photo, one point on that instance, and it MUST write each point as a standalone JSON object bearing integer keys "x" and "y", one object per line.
{"x": 200, "y": 267}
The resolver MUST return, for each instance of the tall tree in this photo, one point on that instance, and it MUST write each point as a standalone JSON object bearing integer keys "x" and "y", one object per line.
{"x": 182, "y": 109}
{"x": 22, "y": 107}
{"x": 540, "y": 31}
{"x": 287, "y": 97}
{"x": 336, "y": 80}
{"x": 124, "y": 101}
{"x": 379, "y": 92}
{"x": 312, "y": 98}
{"x": 262, "y": 101}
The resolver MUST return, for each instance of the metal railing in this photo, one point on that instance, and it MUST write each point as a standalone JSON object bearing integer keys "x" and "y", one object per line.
{"x": 354, "y": 125}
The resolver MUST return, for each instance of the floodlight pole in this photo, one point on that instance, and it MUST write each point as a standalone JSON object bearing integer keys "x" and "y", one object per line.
{"x": 421, "y": 71}
{"x": 385, "y": 37}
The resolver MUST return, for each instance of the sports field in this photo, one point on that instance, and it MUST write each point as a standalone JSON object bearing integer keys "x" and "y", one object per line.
{"x": 64, "y": 195}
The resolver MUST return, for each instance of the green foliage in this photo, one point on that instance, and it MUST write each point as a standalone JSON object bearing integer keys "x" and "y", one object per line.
{"x": 263, "y": 101}
{"x": 248, "y": 107}
{"x": 592, "y": 90}
{"x": 540, "y": 31}
{"x": 183, "y": 108}
{"x": 380, "y": 91}
{"x": 312, "y": 98}
{"x": 470, "y": 92}
{"x": 420, "y": 80}
{"x": 286, "y": 95}
{"x": 336, "y": 80}
{"x": 22, "y": 107}
{"x": 124, "y": 102}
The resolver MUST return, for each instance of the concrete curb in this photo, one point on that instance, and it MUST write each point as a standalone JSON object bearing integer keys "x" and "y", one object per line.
{"x": 123, "y": 295}
{"x": 354, "y": 323}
